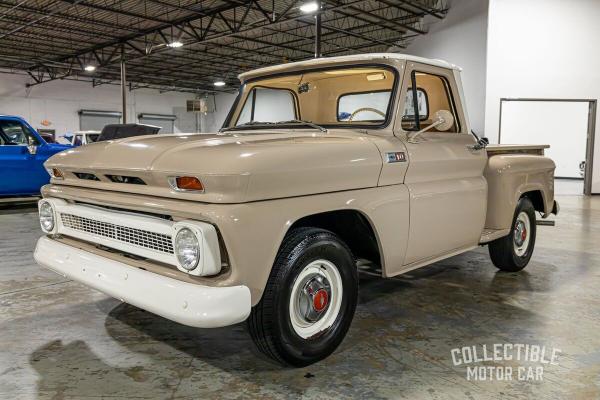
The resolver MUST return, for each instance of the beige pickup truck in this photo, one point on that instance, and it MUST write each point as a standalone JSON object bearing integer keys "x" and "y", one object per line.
{"x": 322, "y": 167}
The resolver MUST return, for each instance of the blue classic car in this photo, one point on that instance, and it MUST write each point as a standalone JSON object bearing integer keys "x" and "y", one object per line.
{"x": 22, "y": 155}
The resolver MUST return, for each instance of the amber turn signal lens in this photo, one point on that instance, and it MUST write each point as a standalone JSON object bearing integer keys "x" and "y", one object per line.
{"x": 189, "y": 183}
{"x": 56, "y": 173}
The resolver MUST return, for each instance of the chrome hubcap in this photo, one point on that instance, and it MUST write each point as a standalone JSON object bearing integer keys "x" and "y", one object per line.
{"x": 313, "y": 299}
{"x": 521, "y": 234}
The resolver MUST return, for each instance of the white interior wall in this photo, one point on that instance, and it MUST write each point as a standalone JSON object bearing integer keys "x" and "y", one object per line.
{"x": 460, "y": 38}
{"x": 59, "y": 101}
{"x": 543, "y": 49}
{"x": 527, "y": 122}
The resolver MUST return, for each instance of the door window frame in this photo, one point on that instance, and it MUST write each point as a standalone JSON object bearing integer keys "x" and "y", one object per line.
{"x": 450, "y": 84}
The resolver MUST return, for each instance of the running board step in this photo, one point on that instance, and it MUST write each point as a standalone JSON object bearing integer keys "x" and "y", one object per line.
{"x": 545, "y": 222}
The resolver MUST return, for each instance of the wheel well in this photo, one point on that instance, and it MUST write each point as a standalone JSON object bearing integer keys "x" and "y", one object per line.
{"x": 351, "y": 226}
{"x": 537, "y": 199}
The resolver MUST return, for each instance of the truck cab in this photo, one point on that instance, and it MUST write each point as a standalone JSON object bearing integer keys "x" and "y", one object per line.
{"x": 23, "y": 152}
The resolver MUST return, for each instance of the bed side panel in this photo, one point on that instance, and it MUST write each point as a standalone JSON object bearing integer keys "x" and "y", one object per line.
{"x": 509, "y": 176}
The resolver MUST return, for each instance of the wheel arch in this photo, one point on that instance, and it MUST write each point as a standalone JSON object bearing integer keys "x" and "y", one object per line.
{"x": 352, "y": 226}
{"x": 537, "y": 198}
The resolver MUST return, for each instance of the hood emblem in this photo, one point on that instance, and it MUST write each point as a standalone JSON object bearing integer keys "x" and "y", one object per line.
{"x": 394, "y": 157}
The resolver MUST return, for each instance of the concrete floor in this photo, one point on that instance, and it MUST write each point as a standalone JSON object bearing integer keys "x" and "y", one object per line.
{"x": 60, "y": 340}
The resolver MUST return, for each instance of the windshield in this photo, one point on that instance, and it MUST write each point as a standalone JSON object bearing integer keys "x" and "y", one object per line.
{"x": 345, "y": 96}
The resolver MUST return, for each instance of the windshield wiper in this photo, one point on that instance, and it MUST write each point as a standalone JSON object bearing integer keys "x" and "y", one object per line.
{"x": 302, "y": 122}
{"x": 290, "y": 122}
{"x": 249, "y": 123}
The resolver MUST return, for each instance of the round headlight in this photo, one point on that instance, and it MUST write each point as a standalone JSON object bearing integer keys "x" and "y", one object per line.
{"x": 46, "y": 216}
{"x": 187, "y": 249}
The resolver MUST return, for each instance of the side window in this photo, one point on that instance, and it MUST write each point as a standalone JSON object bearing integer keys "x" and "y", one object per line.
{"x": 268, "y": 105}
{"x": 17, "y": 133}
{"x": 371, "y": 106}
{"x": 432, "y": 93}
{"x": 78, "y": 140}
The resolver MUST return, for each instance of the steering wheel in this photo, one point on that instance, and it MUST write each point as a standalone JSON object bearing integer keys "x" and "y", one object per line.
{"x": 376, "y": 111}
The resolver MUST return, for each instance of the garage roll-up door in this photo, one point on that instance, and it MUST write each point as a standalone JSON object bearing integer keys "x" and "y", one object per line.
{"x": 166, "y": 122}
{"x": 94, "y": 120}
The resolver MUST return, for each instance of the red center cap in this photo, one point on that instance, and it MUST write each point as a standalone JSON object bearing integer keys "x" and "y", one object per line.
{"x": 524, "y": 234}
{"x": 320, "y": 300}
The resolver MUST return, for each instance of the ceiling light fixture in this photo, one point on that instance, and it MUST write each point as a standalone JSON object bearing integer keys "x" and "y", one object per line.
{"x": 90, "y": 68}
{"x": 219, "y": 83}
{"x": 309, "y": 7}
{"x": 175, "y": 44}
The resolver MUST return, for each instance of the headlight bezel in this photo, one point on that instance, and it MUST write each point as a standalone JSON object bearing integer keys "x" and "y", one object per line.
{"x": 209, "y": 263}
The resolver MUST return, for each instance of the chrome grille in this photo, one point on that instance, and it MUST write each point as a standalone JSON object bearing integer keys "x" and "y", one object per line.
{"x": 138, "y": 237}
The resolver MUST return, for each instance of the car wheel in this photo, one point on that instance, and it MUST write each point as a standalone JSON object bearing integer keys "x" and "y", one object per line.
{"x": 309, "y": 301}
{"x": 513, "y": 252}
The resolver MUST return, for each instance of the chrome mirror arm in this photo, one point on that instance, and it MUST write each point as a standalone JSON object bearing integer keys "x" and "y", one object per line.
{"x": 412, "y": 138}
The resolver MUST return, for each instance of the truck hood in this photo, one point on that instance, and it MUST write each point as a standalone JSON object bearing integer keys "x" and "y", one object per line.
{"x": 233, "y": 167}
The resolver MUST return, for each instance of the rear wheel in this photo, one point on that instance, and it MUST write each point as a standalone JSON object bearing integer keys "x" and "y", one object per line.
{"x": 309, "y": 300}
{"x": 513, "y": 252}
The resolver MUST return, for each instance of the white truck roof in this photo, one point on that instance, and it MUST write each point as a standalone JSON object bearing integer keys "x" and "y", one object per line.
{"x": 356, "y": 57}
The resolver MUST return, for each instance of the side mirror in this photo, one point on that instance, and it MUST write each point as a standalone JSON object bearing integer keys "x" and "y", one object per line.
{"x": 32, "y": 149}
{"x": 443, "y": 120}
{"x": 485, "y": 140}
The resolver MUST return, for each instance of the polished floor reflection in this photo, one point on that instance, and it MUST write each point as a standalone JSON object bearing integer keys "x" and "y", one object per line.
{"x": 60, "y": 340}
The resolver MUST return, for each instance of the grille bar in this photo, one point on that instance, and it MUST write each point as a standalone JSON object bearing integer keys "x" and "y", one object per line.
{"x": 138, "y": 237}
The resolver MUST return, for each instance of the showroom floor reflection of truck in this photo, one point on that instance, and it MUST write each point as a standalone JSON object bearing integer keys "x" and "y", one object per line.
{"x": 321, "y": 166}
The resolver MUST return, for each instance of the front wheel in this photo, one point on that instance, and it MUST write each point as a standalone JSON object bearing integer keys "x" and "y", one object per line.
{"x": 513, "y": 252}
{"x": 309, "y": 300}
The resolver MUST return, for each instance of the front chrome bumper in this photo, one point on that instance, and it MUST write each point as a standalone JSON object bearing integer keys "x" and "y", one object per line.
{"x": 183, "y": 302}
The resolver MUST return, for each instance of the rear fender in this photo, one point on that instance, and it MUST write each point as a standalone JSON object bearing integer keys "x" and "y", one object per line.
{"x": 510, "y": 176}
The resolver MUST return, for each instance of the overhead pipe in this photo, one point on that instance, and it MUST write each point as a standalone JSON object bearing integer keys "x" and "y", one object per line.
{"x": 123, "y": 85}
{"x": 318, "y": 30}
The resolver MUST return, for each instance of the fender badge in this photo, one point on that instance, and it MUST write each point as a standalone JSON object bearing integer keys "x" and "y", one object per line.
{"x": 397, "y": 156}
